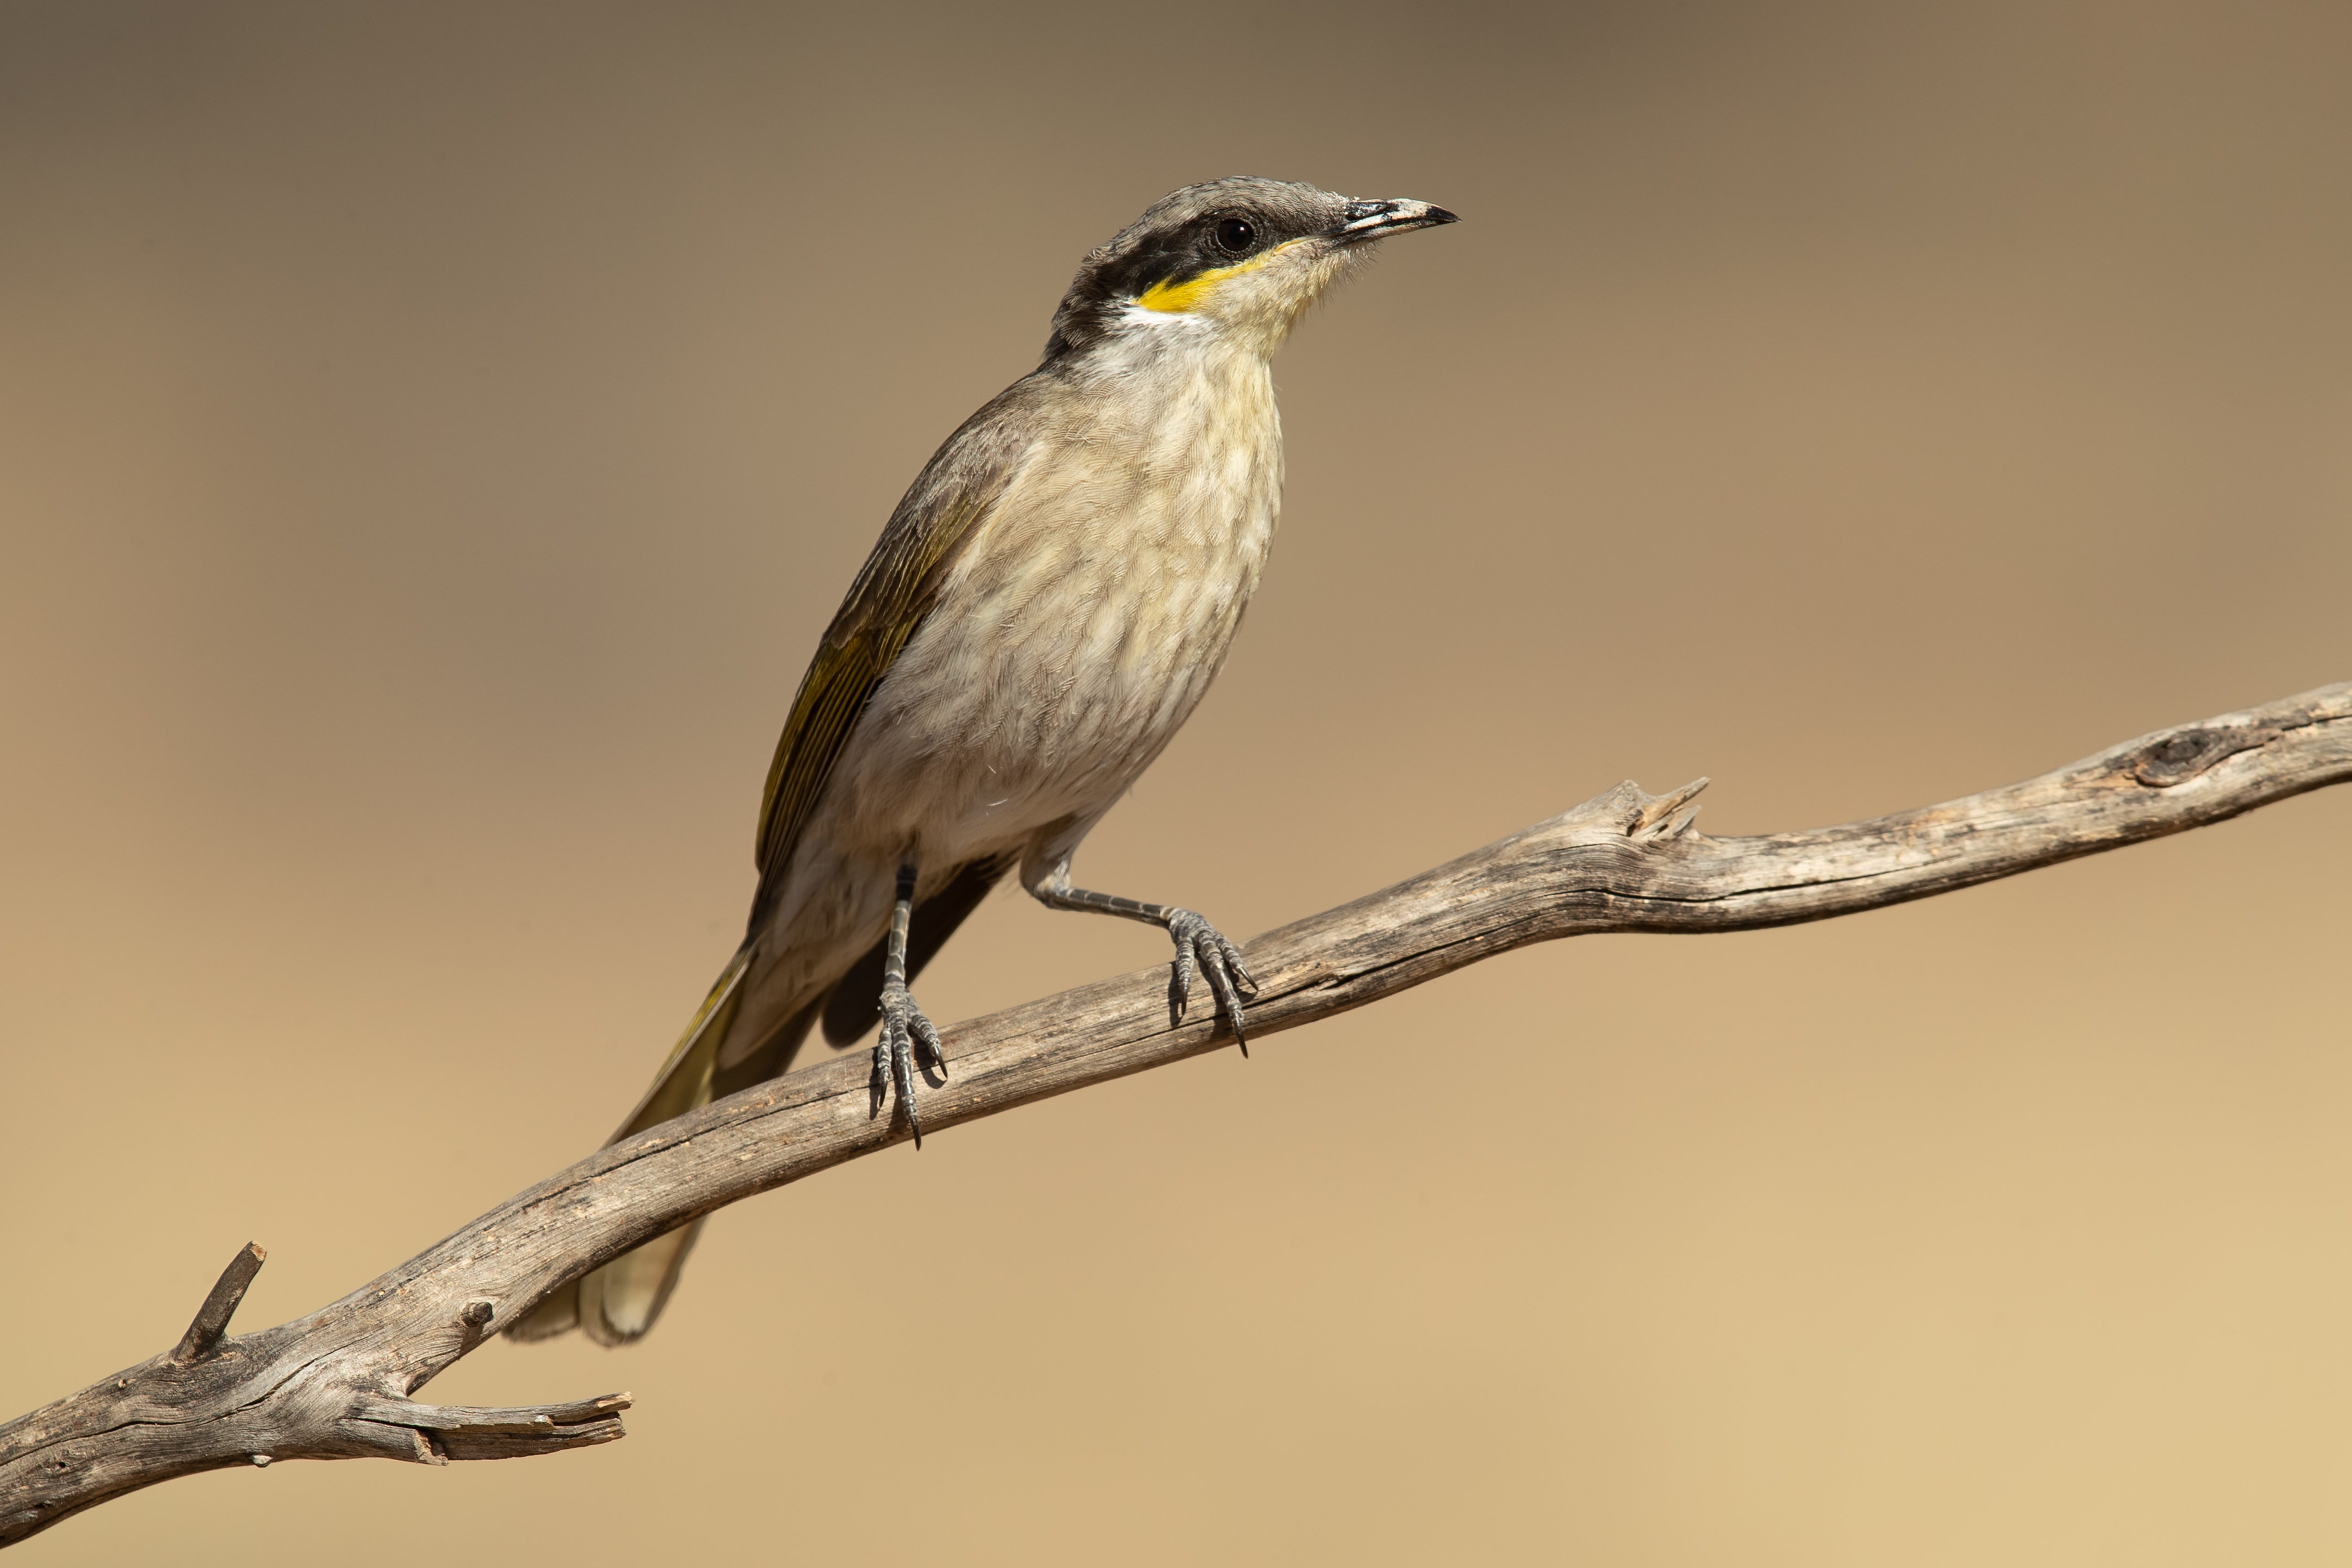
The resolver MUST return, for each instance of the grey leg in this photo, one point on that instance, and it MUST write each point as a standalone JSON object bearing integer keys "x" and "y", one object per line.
{"x": 903, "y": 1023}
{"x": 1198, "y": 943}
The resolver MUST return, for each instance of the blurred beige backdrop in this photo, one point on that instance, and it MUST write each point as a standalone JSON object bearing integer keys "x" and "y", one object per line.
{"x": 433, "y": 435}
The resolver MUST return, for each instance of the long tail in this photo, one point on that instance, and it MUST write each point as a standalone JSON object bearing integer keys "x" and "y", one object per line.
{"x": 621, "y": 1300}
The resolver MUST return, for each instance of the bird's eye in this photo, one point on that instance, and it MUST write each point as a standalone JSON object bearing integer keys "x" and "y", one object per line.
{"x": 1234, "y": 235}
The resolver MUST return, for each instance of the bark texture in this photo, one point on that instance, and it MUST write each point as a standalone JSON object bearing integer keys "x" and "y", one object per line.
{"x": 335, "y": 1384}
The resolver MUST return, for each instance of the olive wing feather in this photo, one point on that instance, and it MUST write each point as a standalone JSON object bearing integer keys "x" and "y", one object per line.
{"x": 941, "y": 513}
{"x": 900, "y": 581}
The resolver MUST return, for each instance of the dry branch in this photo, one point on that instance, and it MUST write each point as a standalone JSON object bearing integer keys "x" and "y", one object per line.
{"x": 334, "y": 1385}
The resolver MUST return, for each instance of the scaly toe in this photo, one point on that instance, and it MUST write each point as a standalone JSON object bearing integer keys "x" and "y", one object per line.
{"x": 932, "y": 1050}
{"x": 1228, "y": 996}
{"x": 1201, "y": 945}
{"x": 903, "y": 1024}
{"x": 1242, "y": 977}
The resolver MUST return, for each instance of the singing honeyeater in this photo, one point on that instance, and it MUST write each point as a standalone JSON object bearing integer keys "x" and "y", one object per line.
{"x": 1043, "y": 611}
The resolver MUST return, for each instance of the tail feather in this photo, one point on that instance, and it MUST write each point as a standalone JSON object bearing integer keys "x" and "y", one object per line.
{"x": 684, "y": 1081}
{"x": 622, "y": 1300}
{"x": 619, "y": 1302}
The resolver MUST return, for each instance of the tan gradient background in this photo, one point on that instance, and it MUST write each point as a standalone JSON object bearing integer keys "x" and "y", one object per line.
{"x": 432, "y": 437}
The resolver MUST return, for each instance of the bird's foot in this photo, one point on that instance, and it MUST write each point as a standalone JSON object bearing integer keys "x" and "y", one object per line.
{"x": 904, "y": 1028}
{"x": 1201, "y": 945}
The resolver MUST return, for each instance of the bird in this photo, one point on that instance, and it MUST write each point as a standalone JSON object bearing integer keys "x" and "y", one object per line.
{"x": 1044, "y": 610}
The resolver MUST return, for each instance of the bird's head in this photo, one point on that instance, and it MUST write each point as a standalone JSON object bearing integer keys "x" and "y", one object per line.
{"x": 1236, "y": 261}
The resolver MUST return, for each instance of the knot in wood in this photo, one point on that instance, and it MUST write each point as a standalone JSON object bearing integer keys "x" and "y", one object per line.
{"x": 2183, "y": 756}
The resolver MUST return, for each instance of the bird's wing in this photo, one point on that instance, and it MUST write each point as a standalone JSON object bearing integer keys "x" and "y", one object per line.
{"x": 940, "y": 514}
{"x": 898, "y": 586}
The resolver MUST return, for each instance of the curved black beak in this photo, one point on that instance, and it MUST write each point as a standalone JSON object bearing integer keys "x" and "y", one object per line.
{"x": 1377, "y": 220}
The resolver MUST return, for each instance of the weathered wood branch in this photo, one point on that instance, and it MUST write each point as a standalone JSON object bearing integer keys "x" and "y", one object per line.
{"x": 335, "y": 1384}
{"x": 210, "y": 1322}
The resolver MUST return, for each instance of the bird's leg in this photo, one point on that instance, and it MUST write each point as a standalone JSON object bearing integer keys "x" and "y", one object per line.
{"x": 903, "y": 1023}
{"x": 1198, "y": 945}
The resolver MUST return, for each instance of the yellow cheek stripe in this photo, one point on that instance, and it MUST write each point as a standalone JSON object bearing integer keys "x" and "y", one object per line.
{"x": 1169, "y": 294}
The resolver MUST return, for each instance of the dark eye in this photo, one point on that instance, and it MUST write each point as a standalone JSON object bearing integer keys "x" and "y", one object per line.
{"x": 1234, "y": 235}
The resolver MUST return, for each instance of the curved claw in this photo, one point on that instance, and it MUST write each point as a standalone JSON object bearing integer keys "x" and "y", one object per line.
{"x": 1201, "y": 946}
{"x": 903, "y": 1026}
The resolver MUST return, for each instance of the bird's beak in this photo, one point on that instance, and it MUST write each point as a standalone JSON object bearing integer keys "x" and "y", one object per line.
{"x": 1377, "y": 220}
